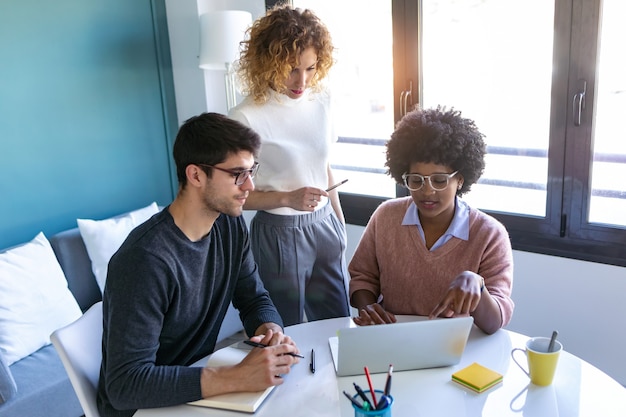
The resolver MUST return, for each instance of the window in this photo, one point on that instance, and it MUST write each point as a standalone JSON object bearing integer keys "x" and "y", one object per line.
{"x": 496, "y": 85}
{"x": 608, "y": 192}
{"x": 362, "y": 86}
{"x": 549, "y": 96}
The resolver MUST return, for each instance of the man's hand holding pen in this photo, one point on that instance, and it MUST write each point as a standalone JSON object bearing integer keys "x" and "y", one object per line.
{"x": 275, "y": 338}
{"x": 262, "y": 367}
{"x": 273, "y": 355}
{"x": 261, "y": 345}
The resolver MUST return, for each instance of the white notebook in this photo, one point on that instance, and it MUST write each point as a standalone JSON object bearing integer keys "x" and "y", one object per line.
{"x": 240, "y": 401}
{"x": 411, "y": 343}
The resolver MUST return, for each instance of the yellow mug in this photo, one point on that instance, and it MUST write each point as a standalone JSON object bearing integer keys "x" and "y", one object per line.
{"x": 541, "y": 363}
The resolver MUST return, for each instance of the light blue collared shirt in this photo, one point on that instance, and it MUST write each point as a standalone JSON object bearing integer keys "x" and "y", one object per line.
{"x": 459, "y": 227}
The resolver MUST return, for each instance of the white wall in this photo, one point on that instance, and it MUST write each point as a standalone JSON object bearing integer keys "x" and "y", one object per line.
{"x": 184, "y": 30}
{"x": 198, "y": 91}
{"x": 582, "y": 300}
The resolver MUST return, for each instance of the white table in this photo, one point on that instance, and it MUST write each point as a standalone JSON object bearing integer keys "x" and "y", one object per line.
{"x": 579, "y": 389}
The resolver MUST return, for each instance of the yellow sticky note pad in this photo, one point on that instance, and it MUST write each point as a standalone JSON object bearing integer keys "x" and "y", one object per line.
{"x": 477, "y": 377}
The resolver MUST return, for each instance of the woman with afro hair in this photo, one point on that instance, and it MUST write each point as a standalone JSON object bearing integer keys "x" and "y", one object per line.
{"x": 297, "y": 235}
{"x": 431, "y": 254}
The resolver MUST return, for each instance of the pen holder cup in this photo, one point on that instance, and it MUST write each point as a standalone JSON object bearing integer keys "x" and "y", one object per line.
{"x": 385, "y": 412}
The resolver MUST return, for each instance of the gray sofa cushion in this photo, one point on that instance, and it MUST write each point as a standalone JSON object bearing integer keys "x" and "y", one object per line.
{"x": 7, "y": 383}
{"x": 50, "y": 390}
{"x": 72, "y": 254}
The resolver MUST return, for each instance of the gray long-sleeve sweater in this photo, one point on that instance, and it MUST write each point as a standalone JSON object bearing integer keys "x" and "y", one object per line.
{"x": 163, "y": 305}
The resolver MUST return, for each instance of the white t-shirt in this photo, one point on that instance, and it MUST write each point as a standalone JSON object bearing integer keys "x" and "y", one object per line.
{"x": 296, "y": 136}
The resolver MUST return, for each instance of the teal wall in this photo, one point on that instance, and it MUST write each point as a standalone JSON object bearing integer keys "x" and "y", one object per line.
{"x": 86, "y": 112}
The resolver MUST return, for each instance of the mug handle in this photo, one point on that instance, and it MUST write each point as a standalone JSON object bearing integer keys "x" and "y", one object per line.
{"x": 516, "y": 362}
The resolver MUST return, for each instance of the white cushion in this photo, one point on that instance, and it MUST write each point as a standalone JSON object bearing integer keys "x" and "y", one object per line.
{"x": 104, "y": 237}
{"x": 34, "y": 298}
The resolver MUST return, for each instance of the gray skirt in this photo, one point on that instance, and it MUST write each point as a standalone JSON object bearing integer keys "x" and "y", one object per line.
{"x": 302, "y": 263}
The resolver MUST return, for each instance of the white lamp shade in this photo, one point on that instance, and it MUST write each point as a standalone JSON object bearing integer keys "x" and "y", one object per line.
{"x": 220, "y": 34}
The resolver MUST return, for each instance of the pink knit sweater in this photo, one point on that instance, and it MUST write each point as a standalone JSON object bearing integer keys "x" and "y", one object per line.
{"x": 393, "y": 260}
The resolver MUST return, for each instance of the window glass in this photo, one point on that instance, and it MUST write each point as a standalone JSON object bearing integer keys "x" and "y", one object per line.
{"x": 608, "y": 195}
{"x": 361, "y": 83}
{"x": 481, "y": 58}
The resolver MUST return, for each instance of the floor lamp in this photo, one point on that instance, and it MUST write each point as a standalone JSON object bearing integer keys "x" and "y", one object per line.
{"x": 220, "y": 34}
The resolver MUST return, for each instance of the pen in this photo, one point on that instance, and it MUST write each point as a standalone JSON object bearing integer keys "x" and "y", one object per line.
{"x": 312, "y": 364}
{"x": 352, "y": 400}
{"x": 336, "y": 185}
{"x": 255, "y": 344}
{"x": 552, "y": 339}
{"x": 369, "y": 382}
{"x": 361, "y": 394}
{"x": 388, "y": 383}
{"x": 261, "y": 345}
{"x": 383, "y": 403}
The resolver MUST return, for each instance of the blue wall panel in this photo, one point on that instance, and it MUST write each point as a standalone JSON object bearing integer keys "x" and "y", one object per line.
{"x": 83, "y": 130}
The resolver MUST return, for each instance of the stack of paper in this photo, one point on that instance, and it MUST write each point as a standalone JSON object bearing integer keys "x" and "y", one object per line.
{"x": 477, "y": 377}
{"x": 239, "y": 401}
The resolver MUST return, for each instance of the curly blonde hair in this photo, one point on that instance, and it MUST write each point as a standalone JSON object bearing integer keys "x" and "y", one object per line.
{"x": 274, "y": 46}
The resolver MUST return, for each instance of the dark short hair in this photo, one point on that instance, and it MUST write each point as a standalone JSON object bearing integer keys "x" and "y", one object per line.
{"x": 437, "y": 136}
{"x": 210, "y": 138}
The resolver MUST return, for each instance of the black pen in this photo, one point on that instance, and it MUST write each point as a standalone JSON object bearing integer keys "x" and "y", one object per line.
{"x": 261, "y": 345}
{"x": 388, "y": 383}
{"x": 361, "y": 394}
{"x": 312, "y": 364}
{"x": 353, "y": 401}
{"x": 336, "y": 185}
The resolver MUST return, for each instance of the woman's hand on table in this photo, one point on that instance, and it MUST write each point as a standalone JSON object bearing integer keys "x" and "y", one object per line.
{"x": 374, "y": 314}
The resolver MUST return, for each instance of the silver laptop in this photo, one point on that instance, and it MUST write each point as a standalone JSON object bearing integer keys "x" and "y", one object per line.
{"x": 411, "y": 343}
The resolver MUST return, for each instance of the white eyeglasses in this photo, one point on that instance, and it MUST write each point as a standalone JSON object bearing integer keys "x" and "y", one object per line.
{"x": 438, "y": 182}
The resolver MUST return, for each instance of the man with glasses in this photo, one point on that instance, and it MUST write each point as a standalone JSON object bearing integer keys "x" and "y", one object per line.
{"x": 170, "y": 283}
{"x": 431, "y": 254}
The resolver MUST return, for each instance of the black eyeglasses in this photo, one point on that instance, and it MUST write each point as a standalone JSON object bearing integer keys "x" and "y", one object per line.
{"x": 438, "y": 182}
{"x": 240, "y": 176}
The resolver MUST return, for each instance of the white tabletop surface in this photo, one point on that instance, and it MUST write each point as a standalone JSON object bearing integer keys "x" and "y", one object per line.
{"x": 579, "y": 389}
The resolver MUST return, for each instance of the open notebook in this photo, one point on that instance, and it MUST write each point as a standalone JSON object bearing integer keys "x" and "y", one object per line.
{"x": 238, "y": 401}
{"x": 411, "y": 343}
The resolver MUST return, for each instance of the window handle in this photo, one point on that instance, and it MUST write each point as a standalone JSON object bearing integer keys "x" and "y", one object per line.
{"x": 404, "y": 97}
{"x": 578, "y": 102}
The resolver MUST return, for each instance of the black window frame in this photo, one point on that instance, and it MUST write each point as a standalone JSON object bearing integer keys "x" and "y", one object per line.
{"x": 563, "y": 232}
